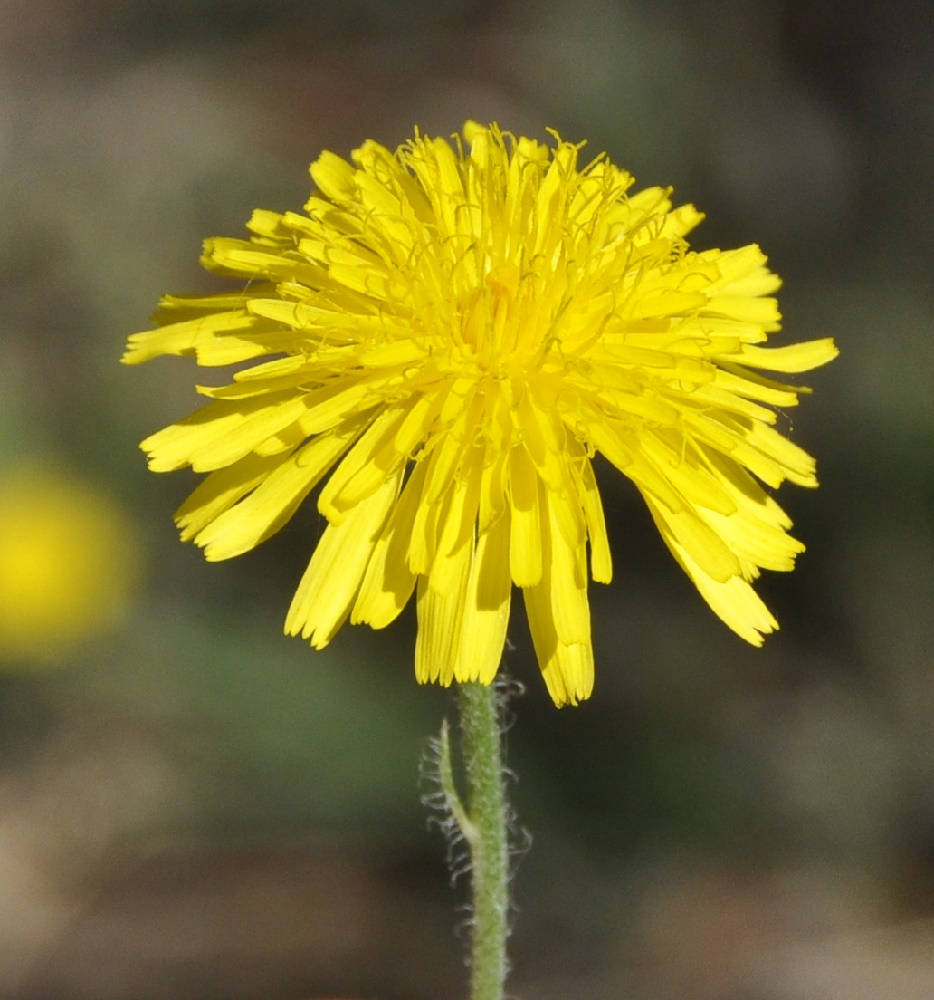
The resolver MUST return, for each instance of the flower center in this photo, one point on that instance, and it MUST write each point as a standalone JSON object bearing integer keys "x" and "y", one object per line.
{"x": 498, "y": 334}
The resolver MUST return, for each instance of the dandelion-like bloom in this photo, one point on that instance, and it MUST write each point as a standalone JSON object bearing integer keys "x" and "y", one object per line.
{"x": 453, "y": 332}
{"x": 68, "y": 565}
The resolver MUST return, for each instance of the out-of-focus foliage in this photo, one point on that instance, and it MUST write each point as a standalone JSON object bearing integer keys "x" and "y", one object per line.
{"x": 208, "y": 808}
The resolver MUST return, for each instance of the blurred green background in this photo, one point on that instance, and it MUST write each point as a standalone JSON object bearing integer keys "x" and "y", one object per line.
{"x": 192, "y": 805}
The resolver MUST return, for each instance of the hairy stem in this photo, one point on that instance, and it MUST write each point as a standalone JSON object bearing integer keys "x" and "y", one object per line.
{"x": 487, "y": 836}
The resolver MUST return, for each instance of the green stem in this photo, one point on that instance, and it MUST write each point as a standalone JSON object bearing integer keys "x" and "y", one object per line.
{"x": 487, "y": 835}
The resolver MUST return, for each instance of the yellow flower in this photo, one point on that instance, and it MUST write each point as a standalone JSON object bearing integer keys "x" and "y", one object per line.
{"x": 67, "y": 564}
{"x": 453, "y": 332}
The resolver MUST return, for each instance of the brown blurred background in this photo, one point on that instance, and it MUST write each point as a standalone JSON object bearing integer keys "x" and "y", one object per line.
{"x": 192, "y": 805}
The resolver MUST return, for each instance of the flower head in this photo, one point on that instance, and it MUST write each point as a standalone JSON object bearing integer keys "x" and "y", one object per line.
{"x": 68, "y": 564}
{"x": 451, "y": 332}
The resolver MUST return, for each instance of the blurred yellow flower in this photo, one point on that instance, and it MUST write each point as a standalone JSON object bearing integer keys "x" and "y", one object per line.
{"x": 456, "y": 330}
{"x": 67, "y": 562}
